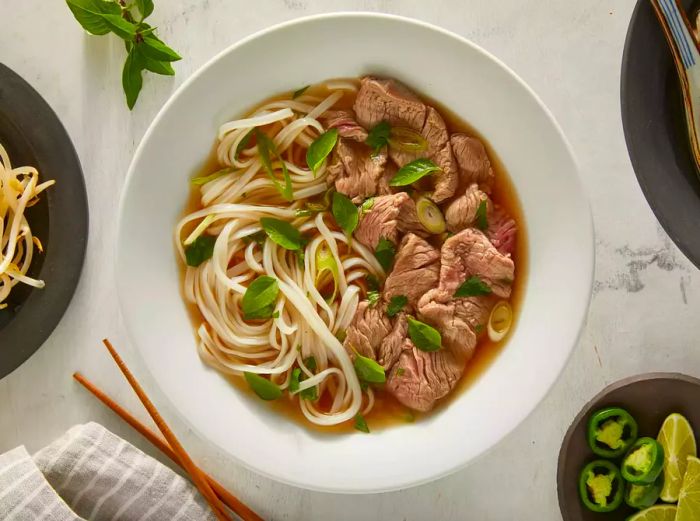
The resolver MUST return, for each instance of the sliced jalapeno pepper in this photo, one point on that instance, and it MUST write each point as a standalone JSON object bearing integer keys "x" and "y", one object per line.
{"x": 644, "y": 496}
{"x": 611, "y": 432}
{"x": 600, "y": 486}
{"x": 643, "y": 462}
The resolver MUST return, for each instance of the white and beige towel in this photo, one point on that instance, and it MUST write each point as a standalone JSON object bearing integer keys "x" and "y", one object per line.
{"x": 90, "y": 473}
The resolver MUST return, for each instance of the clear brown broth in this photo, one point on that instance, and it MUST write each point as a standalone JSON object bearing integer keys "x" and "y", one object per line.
{"x": 387, "y": 411}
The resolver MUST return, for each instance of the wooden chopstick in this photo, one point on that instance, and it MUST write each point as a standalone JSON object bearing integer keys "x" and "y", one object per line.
{"x": 195, "y": 473}
{"x": 232, "y": 502}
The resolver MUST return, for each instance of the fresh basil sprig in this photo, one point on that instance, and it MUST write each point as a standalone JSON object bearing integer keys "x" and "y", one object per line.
{"x": 396, "y": 304}
{"x": 413, "y": 171}
{"x": 263, "y": 387}
{"x": 311, "y": 393}
{"x": 482, "y": 221}
{"x": 368, "y": 370}
{"x": 361, "y": 423}
{"x": 267, "y": 149}
{"x": 282, "y": 233}
{"x": 320, "y": 148}
{"x": 345, "y": 213}
{"x": 379, "y": 136}
{"x": 385, "y": 252}
{"x": 200, "y": 250}
{"x": 472, "y": 287}
{"x": 259, "y": 299}
{"x": 146, "y": 52}
{"x": 423, "y": 336}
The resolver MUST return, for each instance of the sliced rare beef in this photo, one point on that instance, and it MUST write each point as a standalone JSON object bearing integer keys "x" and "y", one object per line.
{"x": 419, "y": 379}
{"x": 369, "y": 327}
{"x": 388, "y": 100}
{"x": 473, "y": 161}
{"x": 390, "y": 348}
{"x": 457, "y": 319}
{"x": 502, "y": 231}
{"x": 470, "y": 253}
{"x": 347, "y": 125}
{"x": 356, "y": 172}
{"x": 388, "y": 216}
{"x": 416, "y": 270}
{"x": 461, "y": 212}
{"x": 464, "y": 255}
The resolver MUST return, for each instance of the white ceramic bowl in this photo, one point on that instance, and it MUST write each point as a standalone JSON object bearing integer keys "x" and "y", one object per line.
{"x": 478, "y": 88}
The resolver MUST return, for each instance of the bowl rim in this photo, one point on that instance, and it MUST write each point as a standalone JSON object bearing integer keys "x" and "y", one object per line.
{"x": 586, "y": 409}
{"x": 588, "y": 263}
{"x": 68, "y": 221}
{"x": 629, "y": 129}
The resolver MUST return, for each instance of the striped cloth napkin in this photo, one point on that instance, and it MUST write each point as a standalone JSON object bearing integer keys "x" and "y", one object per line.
{"x": 90, "y": 473}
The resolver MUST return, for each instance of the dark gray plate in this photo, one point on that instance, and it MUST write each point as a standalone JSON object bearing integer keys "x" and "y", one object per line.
{"x": 649, "y": 398}
{"x": 33, "y": 135}
{"x": 655, "y": 130}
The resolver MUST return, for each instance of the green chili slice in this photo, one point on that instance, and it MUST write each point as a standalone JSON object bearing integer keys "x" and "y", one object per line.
{"x": 611, "y": 432}
{"x": 643, "y": 462}
{"x": 600, "y": 486}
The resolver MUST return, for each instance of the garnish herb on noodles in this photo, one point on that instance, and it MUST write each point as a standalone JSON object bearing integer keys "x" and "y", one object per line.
{"x": 19, "y": 190}
{"x": 312, "y": 263}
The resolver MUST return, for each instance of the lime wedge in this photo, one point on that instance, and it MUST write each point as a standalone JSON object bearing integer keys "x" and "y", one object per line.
{"x": 677, "y": 438}
{"x": 656, "y": 513}
{"x": 689, "y": 499}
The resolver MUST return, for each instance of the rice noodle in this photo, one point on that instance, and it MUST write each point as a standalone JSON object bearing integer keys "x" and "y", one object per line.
{"x": 304, "y": 323}
{"x": 19, "y": 189}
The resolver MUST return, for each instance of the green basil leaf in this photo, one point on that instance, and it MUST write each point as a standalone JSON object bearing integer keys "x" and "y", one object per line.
{"x": 423, "y": 336}
{"x": 257, "y": 237}
{"x": 131, "y": 77}
{"x": 259, "y": 299}
{"x": 282, "y": 233}
{"x": 385, "y": 252}
{"x": 298, "y": 376}
{"x": 200, "y": 250}
{"x": 145, "y": 7}
{"x": 481, "y": 220}
{"x": 310, "y": 363}
{"x": 263, "y": 387}
{"x": 244, "y": 142}
{"x": 345, "y": 213}
{"x": 367, "y": 205}
{"x": 266, "y": 149}
{"x": 123, "y": 28}
{"x": 341, "y": 335}
{"x": 159, "y": 67}
{"x": 368, "y": 370}
{"x": 300, "y": 91}
{"x": 361, "y": 423}
{"x": 320, "y": 148}
{"x": 472, "y": 287}
{"x": 199, "y": 181}
{"x": 89, "y": 13}
{"x": 372, "y": 282}
{"x": 478, "y": 328}
{"x": 294, "y": 380}
{"x": 396, "y": 304}
{"x": 379, "y": 135}
{"x": 373, "y": 298}
{"x": 157, "y": 50}
{"x": 413, "y": 171}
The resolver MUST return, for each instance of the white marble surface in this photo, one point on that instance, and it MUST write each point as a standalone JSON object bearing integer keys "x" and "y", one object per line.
{"x": 641, "y": 319}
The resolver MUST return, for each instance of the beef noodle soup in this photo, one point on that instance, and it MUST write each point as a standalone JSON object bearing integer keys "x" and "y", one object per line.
{"x": 352, "y": 253}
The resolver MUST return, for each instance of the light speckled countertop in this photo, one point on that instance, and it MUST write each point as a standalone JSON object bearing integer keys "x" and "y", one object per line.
{"x": 641, "y": 319}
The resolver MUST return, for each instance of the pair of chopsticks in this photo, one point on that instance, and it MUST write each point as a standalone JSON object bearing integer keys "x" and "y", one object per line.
{"x": 214, "y": 493}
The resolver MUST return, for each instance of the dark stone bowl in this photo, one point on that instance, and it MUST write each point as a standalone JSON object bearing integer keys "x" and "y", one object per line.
{"x": 649, "y": 398}
{"x": 32, "y": 135}
{"x": 655, "y": 130}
